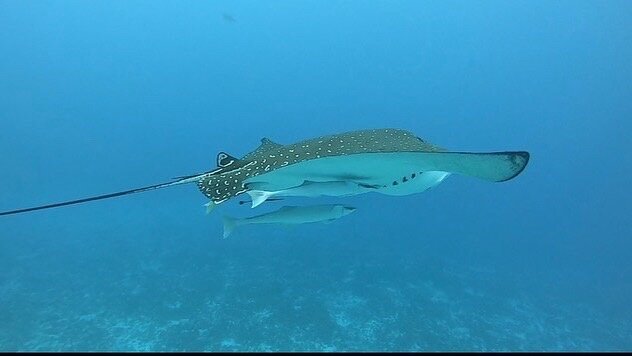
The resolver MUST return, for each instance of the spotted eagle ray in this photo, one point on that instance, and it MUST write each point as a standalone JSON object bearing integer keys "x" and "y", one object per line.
{"x": 394, "y": 160}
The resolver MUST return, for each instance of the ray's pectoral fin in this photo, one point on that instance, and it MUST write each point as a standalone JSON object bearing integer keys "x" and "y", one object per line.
{"x": 492, "y": 166}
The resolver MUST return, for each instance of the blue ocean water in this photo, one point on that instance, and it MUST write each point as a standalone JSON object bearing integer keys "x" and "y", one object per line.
{"x": 99, "y": 96}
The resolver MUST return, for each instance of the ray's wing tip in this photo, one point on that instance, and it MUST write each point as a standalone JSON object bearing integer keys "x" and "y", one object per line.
{"x": 520, "y": 159}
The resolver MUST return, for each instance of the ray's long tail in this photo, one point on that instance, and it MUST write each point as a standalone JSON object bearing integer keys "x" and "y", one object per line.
{"x": 179, "y": 181}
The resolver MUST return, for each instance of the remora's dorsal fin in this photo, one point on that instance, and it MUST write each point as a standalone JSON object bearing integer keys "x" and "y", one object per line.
{"x": 225, "y": 160}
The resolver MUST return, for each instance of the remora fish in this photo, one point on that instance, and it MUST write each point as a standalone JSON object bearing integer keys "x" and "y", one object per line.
{"x": 310, "y": 189}
{"x": 291, "y": 215}
{"x": 397, "y": 160}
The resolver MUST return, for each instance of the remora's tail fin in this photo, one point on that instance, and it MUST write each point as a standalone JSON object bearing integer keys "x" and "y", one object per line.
{"x": 188, "y": 179}
{"x": 258, "y": 197}
{"x": 229, "y": 225}
{"x": 210, "y": 206}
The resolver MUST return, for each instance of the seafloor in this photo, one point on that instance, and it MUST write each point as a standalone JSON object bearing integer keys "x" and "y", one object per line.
{"x": 289, "y": 289}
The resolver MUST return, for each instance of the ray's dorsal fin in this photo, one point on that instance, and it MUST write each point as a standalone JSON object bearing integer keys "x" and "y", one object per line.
{"x": 266, "y": 142}
{"x": 265, "y": 146}
{"x": 225, "y": 160}
{"x": 184, "y": 180}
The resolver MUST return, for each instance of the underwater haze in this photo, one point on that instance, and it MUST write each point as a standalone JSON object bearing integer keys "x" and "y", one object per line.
{"x": 102, "y": 96}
